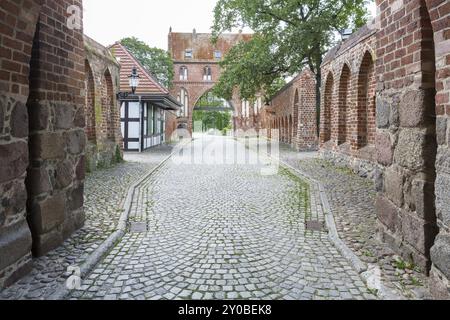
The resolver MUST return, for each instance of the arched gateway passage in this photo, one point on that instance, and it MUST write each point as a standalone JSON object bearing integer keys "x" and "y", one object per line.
{"x": 212, "y": 112}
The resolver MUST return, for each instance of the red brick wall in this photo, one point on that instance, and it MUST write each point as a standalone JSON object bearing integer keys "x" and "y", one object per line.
{"x": 293, "y": 112}
{"x": 411, "y": 119}
{"x": 41, "y": 131}
{"x": 102, "y": 108}
{"x": 17, "y": 29}
{"x": 171, "y": 125}
{"x": 348, "y": 98}
{"x": 407, "y": 140}
{"x": 439, "y": 12}
{"x": 90, "y": 128}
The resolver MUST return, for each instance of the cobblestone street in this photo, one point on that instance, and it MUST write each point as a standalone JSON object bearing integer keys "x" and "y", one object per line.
{"x": 222, "y": 231}
{"x": 353, "y": 203}
{"x": 105, "y": 191}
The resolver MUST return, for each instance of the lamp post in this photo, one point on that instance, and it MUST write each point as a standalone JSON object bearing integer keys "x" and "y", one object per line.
{"x": 133, "y": 82}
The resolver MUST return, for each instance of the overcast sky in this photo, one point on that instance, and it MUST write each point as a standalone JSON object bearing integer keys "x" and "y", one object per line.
{"x": 108, "y": 21}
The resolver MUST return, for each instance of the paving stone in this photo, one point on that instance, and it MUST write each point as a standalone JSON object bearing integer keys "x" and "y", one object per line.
{"x": 245, "y": 238}
{"x": 353, "y": 201}
{"x": 105, "y": 192}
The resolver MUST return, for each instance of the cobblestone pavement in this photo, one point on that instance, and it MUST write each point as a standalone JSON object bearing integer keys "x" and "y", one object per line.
{"x": 352, "y": 199}
{"x": 105, "y": 191}
{"x": 223, "y": 231}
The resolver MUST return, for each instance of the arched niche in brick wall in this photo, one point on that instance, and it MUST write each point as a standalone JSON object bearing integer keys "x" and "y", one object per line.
{"x": 296, "y": 112}
{"x": 286, "y": 129}
{"x": 344, "y": 87}
{"x": 90, "y": 104}
{"x": 366, "y": 102}
{"x": 107, "y": 106}
{"x": 290, "y": 129}
{"x": 328, "y": 101}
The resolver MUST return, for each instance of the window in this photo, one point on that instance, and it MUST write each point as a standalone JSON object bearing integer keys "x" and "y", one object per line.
{"x": 258, "y": 105}
{"x": 150, "y": 120}
{"x": 156, "y": 120}
{"x": 163, "y": 122}
{"x": 183, "y": 73}
{"x": 183, "y": 98}
{"x": 207, "y": 74}
{"x": 188, "y": 54}
{"x": 245, "y": 109}
{"x": 217, "y": 55}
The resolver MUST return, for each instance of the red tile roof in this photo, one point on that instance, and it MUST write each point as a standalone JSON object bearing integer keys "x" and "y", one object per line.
{"x": 148, "y": 83}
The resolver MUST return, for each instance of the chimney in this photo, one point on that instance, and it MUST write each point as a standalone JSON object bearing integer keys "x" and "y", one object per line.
{"x": 194, "y": 33}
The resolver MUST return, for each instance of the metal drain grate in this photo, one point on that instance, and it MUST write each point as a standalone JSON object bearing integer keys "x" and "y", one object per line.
{"x": 315, "y": 225}
{"x": 138, "y": 227}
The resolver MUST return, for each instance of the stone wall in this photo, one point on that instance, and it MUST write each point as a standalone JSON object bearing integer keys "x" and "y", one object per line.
{"x": 41, "y": 131}
{"x": 292, "y": 111}
{"x": 104, "y": 137}
{"x": 413, "y": 54}
{"x": 409, "y": 152}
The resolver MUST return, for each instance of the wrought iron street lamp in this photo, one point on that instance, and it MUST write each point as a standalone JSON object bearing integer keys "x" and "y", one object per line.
{"x": 134, "y": 80}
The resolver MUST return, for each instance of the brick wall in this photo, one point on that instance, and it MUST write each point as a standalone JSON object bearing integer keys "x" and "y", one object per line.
{"x": 292, "y": 111}
{"x": 101, "y": 107}
{"x": 41, "y": 131}
{"x": 410, "y": 143}
{"x": 347, "y": 129}
{"x": 439, "y": 12}
{"x": 412, "y": 115}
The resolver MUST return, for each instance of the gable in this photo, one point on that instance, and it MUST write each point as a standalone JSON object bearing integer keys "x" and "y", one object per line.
{"x": 148, "y": 83}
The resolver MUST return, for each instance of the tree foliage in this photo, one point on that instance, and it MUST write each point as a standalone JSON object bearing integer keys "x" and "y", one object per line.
{"x": 155, "y": 60}
{"x": 289, "y": 34}
{"x": 218, "y": 120}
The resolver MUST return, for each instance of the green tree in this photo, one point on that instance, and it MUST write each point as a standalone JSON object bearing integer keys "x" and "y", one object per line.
{"x": 289, "y": 34}
{"x": 155, "y": 60}
{"x": 220, "y": 120}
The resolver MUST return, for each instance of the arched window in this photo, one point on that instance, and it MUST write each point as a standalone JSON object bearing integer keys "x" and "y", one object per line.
{"x": 245, "y": 109}
{"x": 207, "y": 74}
{"x": 183, "y": 73}
{"x": 183, "y": 98}
{"x": 258, "y": 105}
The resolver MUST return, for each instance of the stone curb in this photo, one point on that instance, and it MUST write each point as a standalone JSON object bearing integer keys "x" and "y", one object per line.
{"x": 362, "y": 268}
{"x": 95, "y": 257}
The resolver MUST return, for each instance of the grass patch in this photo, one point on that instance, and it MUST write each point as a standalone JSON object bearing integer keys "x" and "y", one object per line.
{"x": 403, "y": 265}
